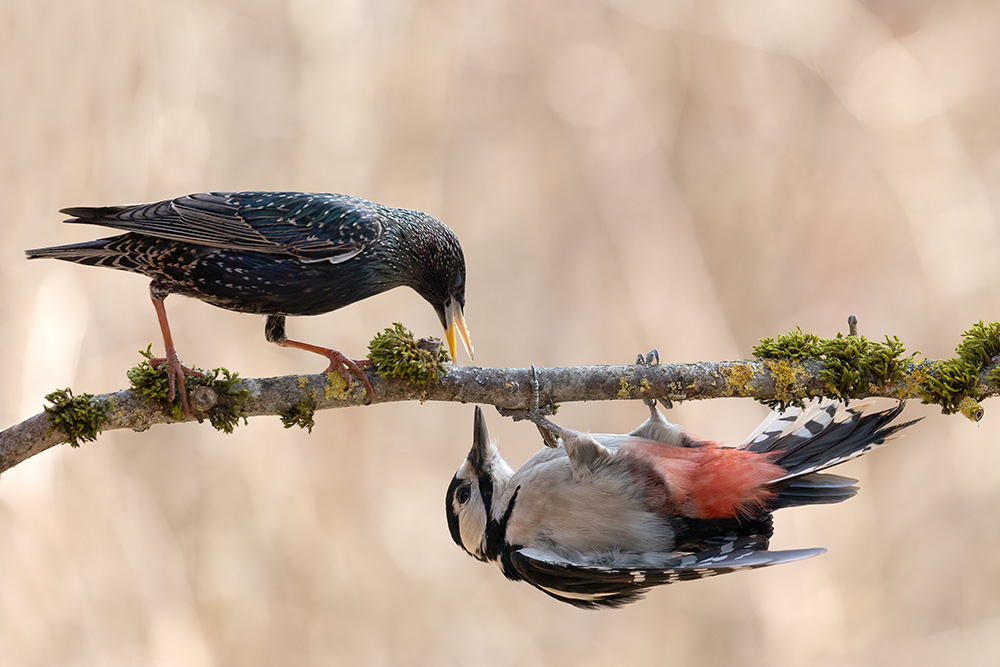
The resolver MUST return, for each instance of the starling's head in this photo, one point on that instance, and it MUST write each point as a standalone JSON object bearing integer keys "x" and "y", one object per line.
{"x": 474, "y": 489}
{"x": 440, "y": 278}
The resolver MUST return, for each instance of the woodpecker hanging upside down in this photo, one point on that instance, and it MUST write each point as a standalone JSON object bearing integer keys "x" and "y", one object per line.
{"x": 600, "y": 518}
{"x": 277, "y": 254}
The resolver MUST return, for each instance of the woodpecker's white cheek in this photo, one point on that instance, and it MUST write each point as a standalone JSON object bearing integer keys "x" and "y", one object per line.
{"x": 472, "y": 524}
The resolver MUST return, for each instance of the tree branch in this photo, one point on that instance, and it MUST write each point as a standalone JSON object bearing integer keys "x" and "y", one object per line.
{"x": 774, "y": 381}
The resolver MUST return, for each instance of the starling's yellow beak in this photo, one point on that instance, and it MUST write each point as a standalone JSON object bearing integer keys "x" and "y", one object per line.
{"x": 455, "y": 321}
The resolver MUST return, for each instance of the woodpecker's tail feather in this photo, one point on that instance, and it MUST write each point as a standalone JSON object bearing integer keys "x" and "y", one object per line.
{"x": 819, "y": 437}
{"x": 813, "y": 489}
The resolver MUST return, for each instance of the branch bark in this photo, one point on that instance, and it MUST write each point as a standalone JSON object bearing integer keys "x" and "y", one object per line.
{"x": 505, "y": 388}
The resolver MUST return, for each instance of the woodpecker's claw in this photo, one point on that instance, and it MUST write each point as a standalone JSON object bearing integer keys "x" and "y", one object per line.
{"x": 652, "y": 358}
{"x": 550, "y": 432}
{"x": 536, "y": 414}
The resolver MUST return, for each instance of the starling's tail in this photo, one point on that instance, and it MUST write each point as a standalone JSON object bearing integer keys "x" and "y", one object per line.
{"x": 93, "y": 253}
{"x": 805, "y": 442}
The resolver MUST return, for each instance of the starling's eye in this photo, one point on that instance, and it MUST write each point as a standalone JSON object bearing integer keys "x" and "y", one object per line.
{"x": 463, "y": 494}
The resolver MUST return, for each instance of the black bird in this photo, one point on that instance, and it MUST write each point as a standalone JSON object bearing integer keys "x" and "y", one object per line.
{"x": 277, "y": 254}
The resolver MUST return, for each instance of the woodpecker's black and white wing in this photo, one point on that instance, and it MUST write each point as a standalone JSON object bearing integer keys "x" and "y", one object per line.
{"x": 586, "y": 583}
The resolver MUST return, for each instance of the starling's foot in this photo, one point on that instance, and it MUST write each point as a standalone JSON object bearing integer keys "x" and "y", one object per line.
{"x": 175, "y": 378}
{"x": 274, "y": 331}
{"x": 652, "y": 358}
{"x": 344, "y": 365}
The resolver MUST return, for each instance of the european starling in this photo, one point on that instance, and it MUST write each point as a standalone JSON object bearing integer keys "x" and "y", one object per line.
{"x": 277, "y": 254}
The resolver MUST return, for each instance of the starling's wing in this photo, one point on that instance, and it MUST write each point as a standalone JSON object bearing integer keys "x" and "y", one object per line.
{"x": 312, "y": 227}
{"x": 587, "y": 583}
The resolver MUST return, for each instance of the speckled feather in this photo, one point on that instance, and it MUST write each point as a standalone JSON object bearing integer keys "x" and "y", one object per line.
{"x": 274, "y": 253}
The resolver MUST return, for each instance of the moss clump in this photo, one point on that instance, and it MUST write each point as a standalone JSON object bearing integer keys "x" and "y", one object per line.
{"x": 80, "y": 418}
{"x": 227, "y": 412}
{"x": 395, "y": 353}
{"x": 854, "y": 366}
{"x": 952, "y": 383}
{"x": 979, "y": 344}
{"x": 301, "y": 414}
{"x": 851, "y": 364}
{"x": 152, "y": 383}
{"x": 948, "y": 383}
{"x": 793, "y": 345}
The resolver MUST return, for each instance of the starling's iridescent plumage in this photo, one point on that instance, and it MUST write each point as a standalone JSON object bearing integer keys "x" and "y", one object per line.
{"x": 279, "y": 254}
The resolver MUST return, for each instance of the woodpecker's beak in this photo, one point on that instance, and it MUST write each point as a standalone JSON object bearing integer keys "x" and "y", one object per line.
{"x": 480, "y": 454}
{"x": 454, "y": 321}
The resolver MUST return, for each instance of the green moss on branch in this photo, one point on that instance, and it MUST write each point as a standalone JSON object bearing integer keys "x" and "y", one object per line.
{"x": 395, "y": 353}
{"x": 854, "y": 367}
{"x": 80, "y": 418}
{"x": 223, "y": 404}
{"x": 301, "y": 414}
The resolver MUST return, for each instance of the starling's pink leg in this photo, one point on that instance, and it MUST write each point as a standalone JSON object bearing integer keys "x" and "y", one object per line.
{"x": 274, "y": 331}
{"x": 339, "y": 362}
{"x": 176, "y": 370}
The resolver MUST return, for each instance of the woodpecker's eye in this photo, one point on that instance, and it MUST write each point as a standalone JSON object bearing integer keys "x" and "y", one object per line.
{"x": 463, "y": 494}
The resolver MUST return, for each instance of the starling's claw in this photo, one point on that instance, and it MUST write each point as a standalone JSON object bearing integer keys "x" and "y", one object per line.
{"x": 341, "y": 363}
{"x": 175, "y": 369}
{"x": 175, "y": 378}
{"x": 274, "y": 331}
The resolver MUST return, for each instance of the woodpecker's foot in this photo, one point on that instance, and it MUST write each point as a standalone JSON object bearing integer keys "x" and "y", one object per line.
{"x": 341, "y": 363}
{"x": 536, "y": 414}
{"x": 550, "y": 432}
{"x": 652, "y": 358}
{"x": 175, "y": 378}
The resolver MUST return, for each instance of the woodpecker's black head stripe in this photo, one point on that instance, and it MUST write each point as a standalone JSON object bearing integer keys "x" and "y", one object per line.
{"x": 449, "y": 509}
{"x": 496, "y": 531}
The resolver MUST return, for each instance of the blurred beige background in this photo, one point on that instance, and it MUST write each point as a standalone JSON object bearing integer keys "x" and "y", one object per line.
{"x": 623, "y": 175}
